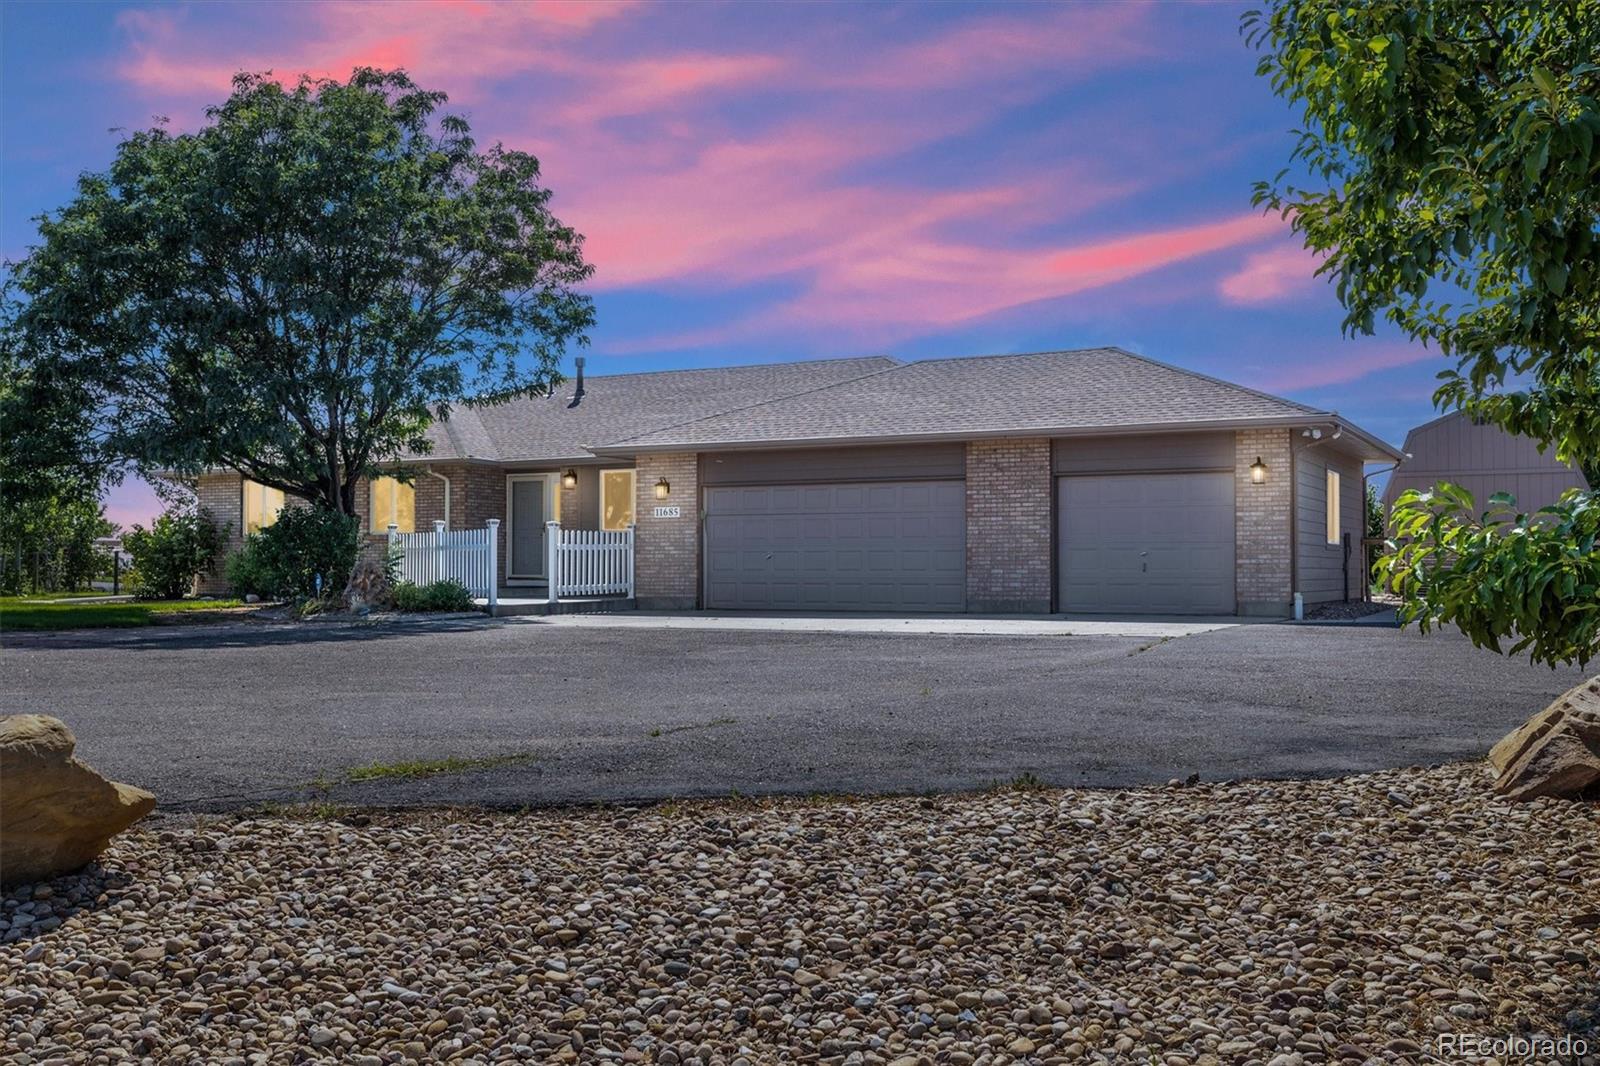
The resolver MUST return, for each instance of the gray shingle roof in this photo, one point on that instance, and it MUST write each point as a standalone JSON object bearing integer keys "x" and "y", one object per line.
{"x": 1092, "y": 388}
{"x": 876, "y": 398}
{"x": 617, "y": 406}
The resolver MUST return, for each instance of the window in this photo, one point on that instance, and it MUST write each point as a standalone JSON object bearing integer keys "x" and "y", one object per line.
{"x": 1333, "y": 507}
{"x": 616, "y": 499}
{"x": 392, "y": 503}
{"x": 261, "y": 506}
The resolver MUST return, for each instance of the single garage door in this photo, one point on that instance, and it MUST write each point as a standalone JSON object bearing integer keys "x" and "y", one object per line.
{"x": 1146, "y": 543}
{"x": 872, "y": 546}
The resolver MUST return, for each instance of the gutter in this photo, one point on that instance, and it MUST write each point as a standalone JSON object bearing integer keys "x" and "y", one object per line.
{"x": 623, "y": 449}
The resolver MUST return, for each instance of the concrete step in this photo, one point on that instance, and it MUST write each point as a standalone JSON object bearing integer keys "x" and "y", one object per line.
{"x": 513, "y": 606}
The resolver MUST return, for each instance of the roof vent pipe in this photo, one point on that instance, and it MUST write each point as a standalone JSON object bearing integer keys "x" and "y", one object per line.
{"x": 577, "y": 393}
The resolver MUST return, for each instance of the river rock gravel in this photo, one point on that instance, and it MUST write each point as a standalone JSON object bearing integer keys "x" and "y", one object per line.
{"x": 1284, "y": 923}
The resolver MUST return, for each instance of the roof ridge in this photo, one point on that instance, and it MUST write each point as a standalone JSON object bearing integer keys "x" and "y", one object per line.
{"x": 1015, "y": 355}
{"x": 897, "y": 365}
{"x": 1307, "y": 408}
{"x": 737, "y": 366}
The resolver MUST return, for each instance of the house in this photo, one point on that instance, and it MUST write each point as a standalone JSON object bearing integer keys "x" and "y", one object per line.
{"x": 1094, "y": 480}
{"x": 1483, "y": 459}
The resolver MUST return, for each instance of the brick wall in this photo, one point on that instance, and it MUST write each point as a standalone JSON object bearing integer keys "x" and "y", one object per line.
{"x": 1008, "y": 525}
{"x": 1262, "y": 532}
{"x": 667, "y": 550}
{"x": 221, "y": 496}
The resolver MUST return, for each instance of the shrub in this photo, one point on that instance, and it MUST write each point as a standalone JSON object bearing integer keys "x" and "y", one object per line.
{"x": 284, "y": 560}
{"x": 438, "y": 596}
{"x": 179, "y": 546}
{"x": 247, "y": 571}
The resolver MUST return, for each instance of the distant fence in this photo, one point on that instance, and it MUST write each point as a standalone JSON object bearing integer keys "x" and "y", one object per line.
{"x": 589, "y": 562}
{"x": 464, "y": 555}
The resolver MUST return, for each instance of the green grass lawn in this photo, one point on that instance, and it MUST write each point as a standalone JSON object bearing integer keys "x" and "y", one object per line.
{"x": 16, "y": 612}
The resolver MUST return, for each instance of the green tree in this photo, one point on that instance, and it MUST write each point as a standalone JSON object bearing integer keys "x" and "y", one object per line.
{"x": 47, "y": 543}
{"x": 296, "y": 290}
{"x": 1447, "y": 170}
{"x": 1374, "y": 530}
{"x": 181, "y": 545}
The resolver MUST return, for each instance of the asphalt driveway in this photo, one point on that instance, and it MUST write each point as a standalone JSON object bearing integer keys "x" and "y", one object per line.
{"x": 220, "y": 717}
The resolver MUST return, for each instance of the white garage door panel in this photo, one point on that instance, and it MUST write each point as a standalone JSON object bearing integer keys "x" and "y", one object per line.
{"x": 864, "y": 546}
{"x": 1146, "y": 543}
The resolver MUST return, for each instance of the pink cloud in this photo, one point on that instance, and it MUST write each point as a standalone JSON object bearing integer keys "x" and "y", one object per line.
{"x": 650, "y": 85}
{"x": 462, "y": 42}
{"x": 1069, "y": 39}
{"x": 888, "y": 286}
{"x": 1274, "y": 274}
{"x": 676, "y": 182}
{"x": 1346, "y": 365}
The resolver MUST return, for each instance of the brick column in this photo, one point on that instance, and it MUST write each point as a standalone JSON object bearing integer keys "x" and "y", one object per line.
{"x": 667, "y": 550}
{"x": 1262, "y": 523}
{"x": 221, "y": 497}
{"x": 429, "y": 497}
{"x": 571, "y": 504}
{"x": 1008, "y": 525}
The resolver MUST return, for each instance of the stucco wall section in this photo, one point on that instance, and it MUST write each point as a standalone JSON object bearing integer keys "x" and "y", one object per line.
{"x": 667, "y": 550}
{"x": 1008, "y": 525}
{"x": 1262, "y": 551}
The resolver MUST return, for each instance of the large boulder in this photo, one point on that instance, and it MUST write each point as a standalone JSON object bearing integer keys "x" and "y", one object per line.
{"x": 56, "y": 814}
{"x": 1554, "y": 753}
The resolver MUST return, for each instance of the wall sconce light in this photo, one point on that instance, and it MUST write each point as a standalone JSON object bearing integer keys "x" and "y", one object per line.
{"x": 569, "y": 480}
{"x": 663, "y": 488}
{"x": 1258, "y": 472}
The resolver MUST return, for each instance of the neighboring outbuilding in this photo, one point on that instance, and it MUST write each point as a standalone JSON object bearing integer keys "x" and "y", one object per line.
{"x": 1483, "y": 459}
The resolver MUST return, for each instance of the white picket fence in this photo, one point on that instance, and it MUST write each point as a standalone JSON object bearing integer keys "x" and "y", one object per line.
{"x": 464, "y": 555}
{"x": 588, "y": 562}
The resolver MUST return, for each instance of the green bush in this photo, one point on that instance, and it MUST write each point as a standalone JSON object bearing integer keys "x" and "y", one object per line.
{"x": 179, "y": 546}
{"x": 247, "y": 571}
{"x": 284, "y": 560}
{"x": 439, "y": 596}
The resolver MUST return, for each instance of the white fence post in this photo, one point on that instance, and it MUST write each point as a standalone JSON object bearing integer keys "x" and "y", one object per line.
{"x": 494, "y": 563}
{"x": 629, "y": 544}
{"x": 438, "y": 549}
{"x": 552, "y": 565}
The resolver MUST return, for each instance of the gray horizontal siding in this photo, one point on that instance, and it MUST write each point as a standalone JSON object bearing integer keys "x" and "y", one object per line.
{"x": 898, "y": 462}
{"x": 1483, "y": 459}
{"x": 1147, "y": 453}
{"x": 1320, "y": 565}
{"x": 1532, "y": 490}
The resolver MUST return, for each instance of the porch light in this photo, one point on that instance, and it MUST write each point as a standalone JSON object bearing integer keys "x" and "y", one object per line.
{"x": 663, "y": 489}
{"x": 569, "y": 480}
{"x": 1258, "y": 472}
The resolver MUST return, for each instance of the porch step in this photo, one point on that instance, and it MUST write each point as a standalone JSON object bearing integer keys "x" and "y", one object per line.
{"x": 510, "y": 606}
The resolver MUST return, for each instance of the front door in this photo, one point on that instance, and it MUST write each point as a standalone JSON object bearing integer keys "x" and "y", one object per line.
{"x": 527, "y": 510}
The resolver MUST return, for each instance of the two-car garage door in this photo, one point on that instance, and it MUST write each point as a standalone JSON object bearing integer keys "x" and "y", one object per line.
{"x": 864, "y": 546}
{"x": 868, "y": 536}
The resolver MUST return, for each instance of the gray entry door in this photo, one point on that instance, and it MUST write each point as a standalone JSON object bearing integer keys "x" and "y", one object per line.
{"x": 1146, "y": 543}
{"x": 525, "y": 556}
{"x": 873, "y": 546}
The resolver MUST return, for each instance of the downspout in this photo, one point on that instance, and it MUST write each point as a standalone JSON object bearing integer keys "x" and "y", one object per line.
{"x": 1294, "y": 527}
{"x": 1366, "y": 569}
{"x": 446, "y": 481}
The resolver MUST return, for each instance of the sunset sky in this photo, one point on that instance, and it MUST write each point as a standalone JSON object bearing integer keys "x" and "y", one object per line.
{"x": 771, "y": 182}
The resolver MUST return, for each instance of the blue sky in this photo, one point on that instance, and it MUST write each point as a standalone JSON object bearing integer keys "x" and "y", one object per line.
{"x": 772, "y": 182}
